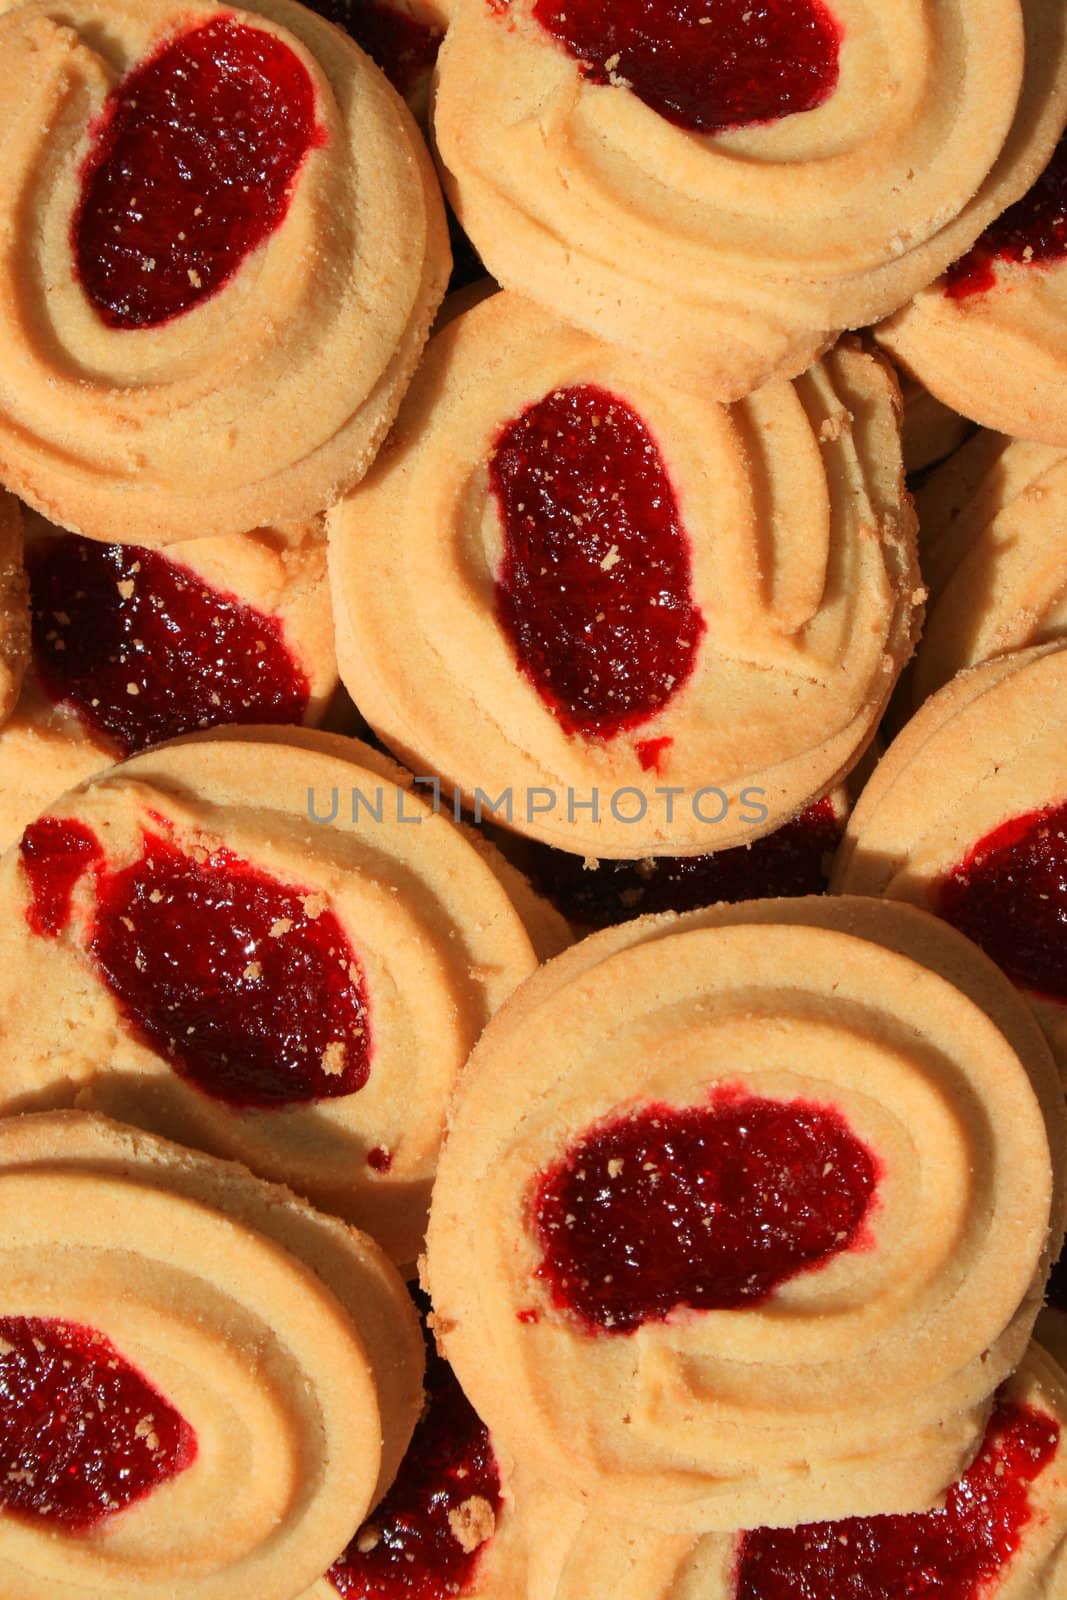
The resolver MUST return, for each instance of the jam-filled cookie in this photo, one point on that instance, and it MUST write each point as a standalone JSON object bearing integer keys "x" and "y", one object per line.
{"x": 226, "y": 249}
{"x": 990, "y": 337}
{"x": 1001, "y": 1533}
{"x": 994, "y": 552}
{"x": 265, "y": 946}
{"x": 204, "y": 1384}
{"x": 966, "y": 815}
{"x": 723, "y": 186}
{"x": 132, "y": 646}
{"x": 769, "y": 1195}
{"x": 14, "y": 612}
{"x": 617, "y": 616}
{"x": 402, "y": 37}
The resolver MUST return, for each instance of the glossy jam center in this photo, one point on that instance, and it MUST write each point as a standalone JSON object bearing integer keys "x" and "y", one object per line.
{"x": 426, "y": 1539}
{"x": 594, "y": 589}
{"x": 706, "y": 65}
{"x": 143, "y": 650}
{"x": 710, "y": 1207}
{"x": 954, "y": 1554}
{"x": 191, "y": 167}
{"x": 403, "y": 47}
{"x": 794, "y": 860}
{"x": 1010, "y": 897}
{"x": 82, "y": 1433}
{"x": 55, "y": 852}
{"x": 1033, "y": 231}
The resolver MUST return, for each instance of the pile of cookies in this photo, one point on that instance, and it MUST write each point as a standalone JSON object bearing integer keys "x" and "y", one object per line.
{"x": 533, "y": 800}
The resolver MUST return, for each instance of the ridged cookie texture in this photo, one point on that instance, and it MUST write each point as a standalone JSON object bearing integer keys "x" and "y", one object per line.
{"x": 996, "y": 350}
{"x": 51, "y": 744}
{"x": 737, "y": 256}
{"x": 799, "y": 586}
{"x": 284, "y": 1340}
{"x": 262, "y": 402}
{"x": 223, "y": 970}
{"x": 606, "y": 1563}
{"x": 965, "y": 816}
{"x": 861, "y": 1387}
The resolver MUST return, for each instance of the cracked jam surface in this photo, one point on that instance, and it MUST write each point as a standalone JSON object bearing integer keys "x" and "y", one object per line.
{"x": 594, "y": 591}
{"x": 191, "y": 167}
{"x": 1010, "y": 896}
{"x": 705, "y": 65}
{"x": 82, "y": 1433}
{"x": 709, "y": 1207}
{"x": 952, "y": 1554}
{"x": 248, "y": 987}
{"x": 144, "y": 650}
{"x": 1032, "y": 232}
{"x": 426, "y": 1539}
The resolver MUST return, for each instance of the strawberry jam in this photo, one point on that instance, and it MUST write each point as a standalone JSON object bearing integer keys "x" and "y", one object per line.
{"x": 594, "y": 589}
{"x": 710, "y": 1207}
{"x": 191, "y": 167}
{"x": 55, "y": 852}
{"x": 143, "y": 650}
{"x": 82, "y": 1434}
{"x": 1010, "y": 897}
{"x": 1033, "y": 232}
{"x": 402, "y": 46}
{"x": 426, "y": 1539}
{"x": 952, "y": 1554}
{"x": 705, "y": 65}
{"x": 794, "y": 860}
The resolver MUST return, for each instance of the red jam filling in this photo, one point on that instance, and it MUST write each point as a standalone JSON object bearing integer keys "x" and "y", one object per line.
{"x": 952, "y": 1554}
{"x": 405, "y": 48}
{"x": 1032, "y": 232}
{"x": 594, "y": 588}
{"x": 82, "y": 1433}
{"x": 426, "y": 1538}
{"x": 794, "y": 860}
{"x": 54, "y": 854}
{"x": 191, "y": 167}
{"x": 1010, "y": 897}
{"x": 705, "y": 65}
{"x": 143, "y": 650}
{"x": 710, "y": 1207}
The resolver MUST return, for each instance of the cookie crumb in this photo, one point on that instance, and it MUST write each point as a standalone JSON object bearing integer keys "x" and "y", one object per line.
{"x": 472, "y": 1523}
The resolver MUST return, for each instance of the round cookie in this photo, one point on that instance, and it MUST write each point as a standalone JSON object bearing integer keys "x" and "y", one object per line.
{"x": 990, "y": 337}
{"x": 265, "y": 945}
{"x": 134, "y": 646}
{"x": 610, "y": 1223}
{"x": 724, "y": 188}
{"x": 994, "y": 552}
{"x": 965, "y": 816}
{"x": 1000, "y": 1534}
{"x": 14, "y": 615}
{"x": 167, "y": 1323}
{"x": 217, "y": 363}
{"x": 616, "y": 616}
{"x": 402, "y": 37}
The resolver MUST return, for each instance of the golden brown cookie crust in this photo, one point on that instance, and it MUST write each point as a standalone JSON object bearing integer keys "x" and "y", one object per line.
{"x": 802, "y": 545}
{"x": 718, "y": 1405}
{"x": 272, "y": 1329}
{"x": 264, "y": 403}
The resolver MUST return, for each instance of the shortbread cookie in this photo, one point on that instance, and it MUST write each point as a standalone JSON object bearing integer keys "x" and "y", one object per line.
{"x": 400, "y": 36}
{"x": 995, "y": 559}
{"x": 266, "y": 947}
{"x": 133, "y": 646}
{"x": 1001, "y": 1534}
{"x": 616, "y": 616}
{"x": 723, "y": 186}
{"x": 932, "y": 430}
{"x": 642, "y": 1307}
{"x": 990, "y": 337}
{"x": 218, "y": 340}
{"x": 966, "y": 816}
{"x": 14, "y": 613}
{"x": 203, "y": 1382}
